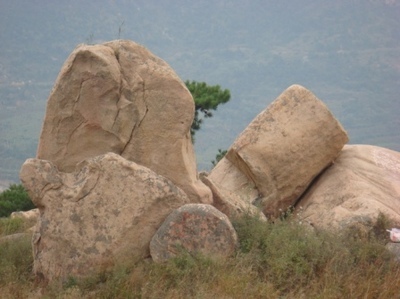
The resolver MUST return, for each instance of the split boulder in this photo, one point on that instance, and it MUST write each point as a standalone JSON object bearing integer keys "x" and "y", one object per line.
{"x": 281, "y": 151}
{"x": 118, "y": 97}
{"x": 107, "y": 210}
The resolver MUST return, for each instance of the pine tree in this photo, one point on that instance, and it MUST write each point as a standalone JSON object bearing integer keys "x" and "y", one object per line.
{"x": 15, "y": 198}
{"x": 206, "y": 98}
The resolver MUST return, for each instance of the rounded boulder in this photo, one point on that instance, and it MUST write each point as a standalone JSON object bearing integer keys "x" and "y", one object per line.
{"x": 197, "y": 229}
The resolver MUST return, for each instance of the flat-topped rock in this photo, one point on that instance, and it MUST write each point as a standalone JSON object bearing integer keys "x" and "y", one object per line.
{"x": 281, "y": 151}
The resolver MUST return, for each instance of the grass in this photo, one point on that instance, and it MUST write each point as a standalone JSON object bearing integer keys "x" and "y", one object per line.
{"x": 275, "y": 260}
{"x": 16, "y": 259}
{"x": 9, "y": 226}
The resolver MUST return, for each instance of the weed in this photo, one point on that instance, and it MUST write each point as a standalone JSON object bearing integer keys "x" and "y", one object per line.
{"x": 16, "y": 260}
{"x": 10, "y": 226}
{"x": 283, "y": 259}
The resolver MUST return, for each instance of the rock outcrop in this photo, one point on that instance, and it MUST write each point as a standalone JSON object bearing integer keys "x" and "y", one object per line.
{"x": 31, "y": 215}
{"x": 194, "y": 228}
{"x": 278, "y": 155}
{"x": 107, "y": 210}
{"x": 118, "y": 97}
{"x": 363, "y": 182}
{"x": 115, "y": 176}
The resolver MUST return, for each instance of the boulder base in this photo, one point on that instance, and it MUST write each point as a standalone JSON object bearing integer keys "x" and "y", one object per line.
{"x": 107, "y": 210}
{"x": 363, "y": 182}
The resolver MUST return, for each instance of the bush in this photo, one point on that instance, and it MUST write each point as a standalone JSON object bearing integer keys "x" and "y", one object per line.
{"x": 15, "y": 198}
{"x": 284, "y": 259}
{"x": 298, "y": 259}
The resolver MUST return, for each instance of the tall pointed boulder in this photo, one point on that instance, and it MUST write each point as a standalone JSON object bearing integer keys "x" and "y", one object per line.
{"x": 118, "y": 97}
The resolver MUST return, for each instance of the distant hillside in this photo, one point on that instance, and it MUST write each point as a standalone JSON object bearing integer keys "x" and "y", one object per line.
{"x": 346, "y": 51}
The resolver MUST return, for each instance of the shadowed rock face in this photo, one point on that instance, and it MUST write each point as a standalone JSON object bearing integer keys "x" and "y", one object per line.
{"x": 364, "y": 181}
{"x": 195, "y": 228}
{"x": 283, "y": 149}
{"x": 107, "y": 210}
{"x": 233, "y": 193}
{"x": 118, "y": 97}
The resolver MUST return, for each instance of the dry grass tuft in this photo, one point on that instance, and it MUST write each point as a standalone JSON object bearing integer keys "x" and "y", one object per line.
{"x": 275, "y": 260}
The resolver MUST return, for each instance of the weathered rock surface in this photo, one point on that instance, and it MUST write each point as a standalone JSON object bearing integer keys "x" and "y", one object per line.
{"x": 118, "y": 97}
{"x": 283, "y": 149}
{"x": 195, "y": 228}
{"x": 363, "y": 181}
{"x": 107, "y": 210}
{"x": 31, "y": 215}
{"x": 233, "y": 196}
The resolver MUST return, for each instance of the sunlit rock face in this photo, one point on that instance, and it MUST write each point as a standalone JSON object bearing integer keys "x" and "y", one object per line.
{"x": 118, "y": 97}
{"x": 363, "y": 182}
{"x": 282, "y": 150}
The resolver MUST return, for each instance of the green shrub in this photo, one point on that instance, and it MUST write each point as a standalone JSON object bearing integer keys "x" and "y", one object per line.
{"x": 15, "y": 198}
{"x": 284, "y": 259}
{"x": 294, "y": 257}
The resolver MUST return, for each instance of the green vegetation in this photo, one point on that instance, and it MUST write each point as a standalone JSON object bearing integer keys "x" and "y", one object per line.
{"x": 15, "y": 198}
{"x": 16, "y": 261}
{"x": 219, "y": 156}
{"x": 283, "y": 259}
{"x": 10, "y": 226}
{"x": 206, "y": 98}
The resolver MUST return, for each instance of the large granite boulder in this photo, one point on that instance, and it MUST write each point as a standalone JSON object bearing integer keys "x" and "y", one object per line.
{"x": 279, "y": 154}
{"x": 107, "y": 210}
{"x": 197, "y": 229}
{"x": 363, "y": 182}
{"x": 118, "y": 97}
